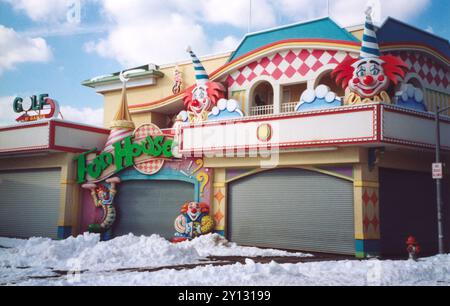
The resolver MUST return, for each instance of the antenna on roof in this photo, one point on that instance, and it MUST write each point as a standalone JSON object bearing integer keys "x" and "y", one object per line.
{"x": 328, "y": 8}
{"x": 250, "y": 17}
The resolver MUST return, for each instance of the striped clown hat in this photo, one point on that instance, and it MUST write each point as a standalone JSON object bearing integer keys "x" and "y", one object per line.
{"x": 370, "y": 48}
{"x": 200, "y": 73}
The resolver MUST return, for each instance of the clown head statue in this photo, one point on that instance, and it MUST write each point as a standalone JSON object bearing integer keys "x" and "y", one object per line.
{"x": 202, "y": 97}
{"x": 370, "y": 76}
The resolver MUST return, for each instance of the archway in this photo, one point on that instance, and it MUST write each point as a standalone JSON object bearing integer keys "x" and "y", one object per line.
{"x": 262, "y": 99}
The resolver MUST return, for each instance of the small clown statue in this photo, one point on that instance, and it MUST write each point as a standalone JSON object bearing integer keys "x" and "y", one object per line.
{"x": 193, "y": 222}
{"x": 103, "y": 196}
{"x": 367, "y": 78}
{"x": 202, "y": 97}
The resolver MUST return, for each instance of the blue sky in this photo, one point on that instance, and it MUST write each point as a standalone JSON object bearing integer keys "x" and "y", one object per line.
{"x": 42, "y": 51}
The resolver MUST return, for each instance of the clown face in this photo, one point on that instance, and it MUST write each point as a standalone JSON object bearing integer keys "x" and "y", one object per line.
{"x": 200, "y": 100}
{"x": 194, "y": 211}
{"x": 369, "y": 78}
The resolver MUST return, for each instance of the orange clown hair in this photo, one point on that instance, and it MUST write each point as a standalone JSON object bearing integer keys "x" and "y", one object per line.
{"x": 204, "y": 208}
{"x": 393, "y": 67}
{"x": 215, "y": 92}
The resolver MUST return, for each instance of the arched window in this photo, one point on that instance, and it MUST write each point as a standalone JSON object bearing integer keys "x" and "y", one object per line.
{"x": 326, "y": 79}
{"x": 262, "y": 99}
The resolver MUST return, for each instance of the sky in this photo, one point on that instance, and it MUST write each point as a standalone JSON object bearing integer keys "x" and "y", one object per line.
{"x": 51, "y": 46}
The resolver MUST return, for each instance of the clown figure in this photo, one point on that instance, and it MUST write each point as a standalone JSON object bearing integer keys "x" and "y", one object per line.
{"x": 202, "y": 97}
{"x": 368, "y": 77}
{"x": 193, "y": 222}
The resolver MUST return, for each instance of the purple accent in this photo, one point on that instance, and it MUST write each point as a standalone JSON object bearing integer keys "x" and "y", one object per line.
{"x": 345, "y": 171}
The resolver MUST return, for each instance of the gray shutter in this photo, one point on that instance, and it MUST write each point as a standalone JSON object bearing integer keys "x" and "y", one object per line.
{"x": 29, "y": 203}
{"x": 293, "y": 209}
{"x": 150, "y": 207}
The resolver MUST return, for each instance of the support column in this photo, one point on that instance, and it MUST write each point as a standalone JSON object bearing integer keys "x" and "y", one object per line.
{"x": 219, "y": 208}
{"x": 69, "y": 200}
{"x": 367, "y": 212}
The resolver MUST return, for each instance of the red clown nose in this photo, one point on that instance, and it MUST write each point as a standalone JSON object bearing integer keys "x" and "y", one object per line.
{"x": 368, "y": 80}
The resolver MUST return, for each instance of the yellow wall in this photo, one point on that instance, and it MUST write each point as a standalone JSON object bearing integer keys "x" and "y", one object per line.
{"x": 70, "y": 209}
{"x": 161, "y": 90}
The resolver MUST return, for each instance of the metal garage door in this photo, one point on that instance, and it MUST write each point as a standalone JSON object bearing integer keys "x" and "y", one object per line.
{"x": 293, "y": 209}
{"x": 150, "y": 207}
{"x": 29, "y": 203}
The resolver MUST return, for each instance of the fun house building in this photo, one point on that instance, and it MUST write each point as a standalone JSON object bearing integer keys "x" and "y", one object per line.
{"x": 307, "y": 137}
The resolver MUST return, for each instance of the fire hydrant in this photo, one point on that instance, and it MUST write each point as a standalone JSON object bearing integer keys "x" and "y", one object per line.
{"x": 413, "y": 248}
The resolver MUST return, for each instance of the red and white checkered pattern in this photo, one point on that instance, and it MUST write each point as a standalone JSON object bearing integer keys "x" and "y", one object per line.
{"x": 155, "y": 165}
{"x": 432, "y": 72}
{"x": 288, "y": 64}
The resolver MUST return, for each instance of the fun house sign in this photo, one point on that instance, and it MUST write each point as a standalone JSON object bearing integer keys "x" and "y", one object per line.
{"x": 147, "y": 153}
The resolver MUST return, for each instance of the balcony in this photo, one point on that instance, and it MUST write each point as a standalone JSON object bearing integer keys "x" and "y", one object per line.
{"x": 288, "y": 107}
{"x": 262, "y": 110}
{"x": 370, "y": 125}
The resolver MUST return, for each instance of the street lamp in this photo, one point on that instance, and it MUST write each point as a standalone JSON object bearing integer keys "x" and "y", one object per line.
{"x": 439, "y": 180}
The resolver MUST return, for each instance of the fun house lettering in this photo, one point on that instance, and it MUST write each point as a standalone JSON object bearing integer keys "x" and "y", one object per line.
{"x": 125, "y": 151}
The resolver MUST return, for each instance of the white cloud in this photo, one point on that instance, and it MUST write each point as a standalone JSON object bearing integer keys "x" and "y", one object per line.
{"x": 229, "y": 43}
{"x": 151, "y": 31}
{"x": 430, "y": 29}
{"x": 236, "y": 13}
{"x": 351, "y": 12}
{"x": 16, "y": 48}
{"x": 85, "y": 115}
{"x": 42, "y": 10}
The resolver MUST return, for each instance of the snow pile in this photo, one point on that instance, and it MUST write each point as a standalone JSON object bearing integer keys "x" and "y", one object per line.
{"x": 427, "y": 272}
{"x": 216, "y": 245}
{"x": 86, "y": 252}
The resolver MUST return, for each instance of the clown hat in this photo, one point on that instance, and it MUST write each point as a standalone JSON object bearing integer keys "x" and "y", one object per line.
{"x": 200, "y": 73}
{"x": 370, "y": 47}
{"x": 122, "y": 125}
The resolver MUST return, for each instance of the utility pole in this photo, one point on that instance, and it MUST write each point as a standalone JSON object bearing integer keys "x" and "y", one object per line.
{"x": 439, "y": 201}
{"x": 328, "y": 8}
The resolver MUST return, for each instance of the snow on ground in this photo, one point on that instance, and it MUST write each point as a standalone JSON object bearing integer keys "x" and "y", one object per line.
{"x": 87, "y": 252}
{"x": 99, "y": 261}
{"x": 429, "y": 272}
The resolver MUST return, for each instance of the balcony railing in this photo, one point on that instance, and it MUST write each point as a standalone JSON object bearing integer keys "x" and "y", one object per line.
{"x": 288, "y": 107}
{"x": 261, "y": 110}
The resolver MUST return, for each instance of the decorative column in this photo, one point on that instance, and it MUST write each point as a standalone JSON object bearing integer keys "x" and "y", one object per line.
{"x": 219, "y": 201}
{"x": 367, "y": 212}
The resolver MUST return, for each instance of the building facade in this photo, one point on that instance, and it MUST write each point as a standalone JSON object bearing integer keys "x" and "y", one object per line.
{"x": 284, "y": 156}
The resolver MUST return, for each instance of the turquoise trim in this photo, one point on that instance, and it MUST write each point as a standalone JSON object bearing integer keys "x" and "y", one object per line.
{"x": 165, "y": 174}
{"x": 221, "y": 233}
{"x": 324, "y": 28}
{"x": 64, "y": 232}
{"x": 367, "y": 248}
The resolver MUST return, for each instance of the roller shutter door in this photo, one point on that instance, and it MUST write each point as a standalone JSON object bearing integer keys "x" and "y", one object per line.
{"x": 150, "y": 207}
{"x": 293, "y": 209}
{"x": 29, "y": 203}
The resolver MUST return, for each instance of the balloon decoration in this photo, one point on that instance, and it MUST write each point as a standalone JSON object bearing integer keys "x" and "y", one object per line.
{"x": 193, "y": 222}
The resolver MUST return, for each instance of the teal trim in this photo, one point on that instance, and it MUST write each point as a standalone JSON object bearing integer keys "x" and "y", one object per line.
{"x": 367, "y": 248}
{"x": 165, "y": 174}
{"x": 221, "y": 233}
{"x": 64, "y": 232}
{"x": 324, "y": 28}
